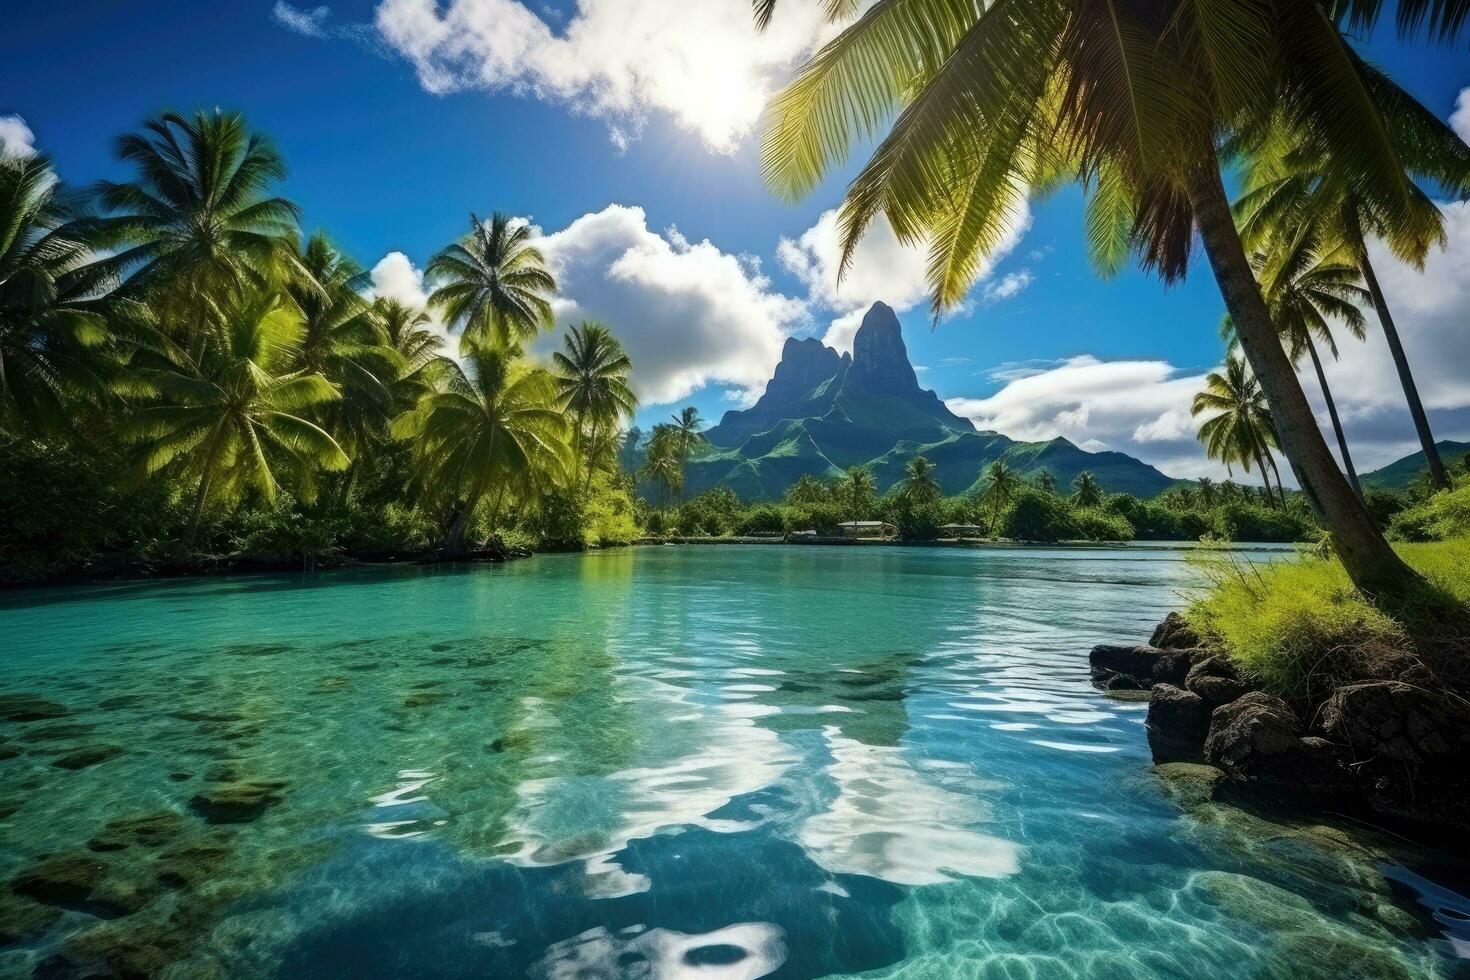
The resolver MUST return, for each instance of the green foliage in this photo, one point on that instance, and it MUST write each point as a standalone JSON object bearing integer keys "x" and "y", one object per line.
{"x": 1036, "y": 515}
{"x": 1443, "y": 515}
{"x": 1253, "y": 522}
{"x": 1096, "y": 524}
{"x": 764, "y": 519}
{"x": 1383, "y": 505}
{"x": 1300, "y": 625}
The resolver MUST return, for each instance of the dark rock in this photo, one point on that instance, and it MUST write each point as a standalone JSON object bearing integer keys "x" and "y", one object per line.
{"x": 88, "y": 755}
{"x": 1173, "y": 666}
{"x": 8, "y": 752}
{"x": 1177, "y": 722}
{"x": 237, "y": 802}
{"x": 1216, "y": 680}
{"x": 21, "y": 917}
{"x": 1257, "y": 738}
{"x": 29, "y": 707}
{"x": 1174, "y": 634}
{"x": 66, "y": 880}
{"x": 1188, "y": 783}
{"x": 51, "y": 733}
{"x": 148, "y": 830}
{"x": 1394, "y": 720}
{"x": 189, "y": 865}
{"x": 1108, "y": 659}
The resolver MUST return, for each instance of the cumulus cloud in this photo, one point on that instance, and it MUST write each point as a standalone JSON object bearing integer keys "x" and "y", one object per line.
{"x": 1460, "y": 118}
{"x": 1008, "y": 286}
{"x": 16, "y": 139}
{"x": 688, "y": 313}
{"x": 882, "y": 268}
{"x": 703, "y": 64}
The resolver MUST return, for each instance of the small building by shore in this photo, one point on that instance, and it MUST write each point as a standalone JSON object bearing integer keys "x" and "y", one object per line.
{"x": 961, "y": 531}
{"x": 867, "y": 529}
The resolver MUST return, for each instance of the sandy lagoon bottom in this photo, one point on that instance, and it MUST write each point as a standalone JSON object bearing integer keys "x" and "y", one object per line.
{"x": 720, "y": 763}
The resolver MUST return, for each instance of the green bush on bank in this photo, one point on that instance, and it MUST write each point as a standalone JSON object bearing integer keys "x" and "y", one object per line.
{"x": 1300, "y": 625}
{"x": 1444, "y": 515}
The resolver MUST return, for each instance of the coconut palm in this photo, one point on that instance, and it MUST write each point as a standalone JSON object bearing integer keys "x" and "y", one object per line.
{"x": 1292, "y": 194}
{"x": 1306, "y": 287}
{"x": 1242, "y": 429}
{"x": 492, "y": 428}
{"x": 53, "y": 332}
{"x": 1209, "y": 494}
{"x": 685, "y": 436}
{"x": 1045, "y": 482}
{"x": 919, "y": 486}
{"x": 982, "y": 101}
{"x": 493, "y": 284}
{"x": 239, "y": 422}
{"x": 859, "y": 489}
{"x": 343, "y": 342}
{"x": 592, "y": 381}
{"x": 1001, "y": 486}
{"x": 662, "y": 465}
{"x": 198, "y": 225}
{"x": 1086, "y": 491}
{"x": 806, "y": 489}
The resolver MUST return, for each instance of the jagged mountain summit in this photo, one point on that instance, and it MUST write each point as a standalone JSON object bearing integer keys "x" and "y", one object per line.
{"x": 823, "y": 412}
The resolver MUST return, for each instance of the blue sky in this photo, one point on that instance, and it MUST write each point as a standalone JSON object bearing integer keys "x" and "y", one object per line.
{"x": 550, "y": 132}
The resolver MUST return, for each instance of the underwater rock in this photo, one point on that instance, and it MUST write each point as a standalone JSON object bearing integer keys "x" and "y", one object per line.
{"x": 86, "y": 756}
{"x": 9, "y": 752}
{"x": 1190, "y": 784}
{"x": 66, "y": 880}
{"x": 240, "y": 801}
{"x": 1174, "y": 634}
{"x": 47, "y": 733}
{"x": 419, "y": 699}
{"x": 189, "y": 865}
{"x": 137, "y": 949}
{"x": 29, "y": 707}
{"x": 148, "y": 830}
{"x": 22, "y": 917}
{"x": 1177, "y": 722}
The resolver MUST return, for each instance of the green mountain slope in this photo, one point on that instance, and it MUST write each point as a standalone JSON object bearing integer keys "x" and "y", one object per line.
{"x": 1401, "y": 474}
{"x": 823, "y": 412}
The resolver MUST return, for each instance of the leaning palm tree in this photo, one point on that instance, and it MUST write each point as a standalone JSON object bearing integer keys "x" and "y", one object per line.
{"x": 490, "y": 430}
{"x": 239, "y": 422}
{"x": 1292, "y": 193}
{"x": 54, "y": 334}
{"x": 1001, "y": 486}
{"x": 919, "y": 486}
{"x": 1242, "y": 429}
{"x": 983, "y": 101}
{"x": 1086, "y": 491}
{"x": 493, "y": 284}
{"x": 1306, "y": 286}
{"x": 859, "y": 490}
{"x": 592, "y": 381}
{"x": 198, "y": 225}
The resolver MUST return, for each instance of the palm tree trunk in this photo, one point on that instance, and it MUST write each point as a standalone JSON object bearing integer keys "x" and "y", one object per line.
{"x": 198, "y": 507}
{"x": 577, "y": 449}
{"x": 458, "y": 525}
{"x": 1280, "y": 487}
{"x": 591, "y": 448}
{"x": 1258, "y": 453}
{"x": 1437, "y": 477}
{"x": 1373, "y": 566}
{"x": 1342, "y": 446}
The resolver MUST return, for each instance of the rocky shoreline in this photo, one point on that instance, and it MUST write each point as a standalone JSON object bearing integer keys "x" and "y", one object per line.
{"x": 1391, "y": 743}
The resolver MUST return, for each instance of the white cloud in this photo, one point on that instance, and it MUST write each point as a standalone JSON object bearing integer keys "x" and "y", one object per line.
{"x": 882, "y": 268}
{"x": 702, "y": 63}
{"x": 1460, "y": 118}
{"x": 310, "y": 22}
{"x": 688, "y": 313}
{"x": 16, "y": 139}
{"x": 1008, "y": 286}
{"x": 396, "y": 277}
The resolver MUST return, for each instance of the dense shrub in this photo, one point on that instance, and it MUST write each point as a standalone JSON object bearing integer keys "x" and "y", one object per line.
{"x": 764, "y": 519}
{"x": 558, "y": 523}
{"x": 1154, "y": 522}
{"x": 1252, "y": 522}
{"x": 1036, "y": 515}
{"x": 1383, "y": 505}
{"x": 1096, "y": 524}
{"x": 1443, "y": 515}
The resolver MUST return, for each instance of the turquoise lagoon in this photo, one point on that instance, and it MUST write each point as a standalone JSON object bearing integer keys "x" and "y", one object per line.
{"x": 724, "y": 762}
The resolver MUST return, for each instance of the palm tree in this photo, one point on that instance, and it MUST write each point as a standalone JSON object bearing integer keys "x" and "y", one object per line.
{"x": 53, "y": 333}
{"x": 343, "y": 342}
{"x": 1045, "y": 482}
{"x": 1086, "y": 491}
{"x": 990, "y": 100}
{"x": 1242, "y": 428}
{"x": 1001, "y": 486}
{"x": 661, "y": 464}
{"x": 1293, "y": 192}
{"x": 860, "y": 490}
{"x": 806, "y": 489}
{"x": 238, "y": 422}
{"x": 592, "y": 381}
{"x": 197, "y": 226}
{"x": 493, "y": 284}
{"x": 492, "y": 428}
{"x": 685, "y": 435}
{"x": 919, "y": 485}
{"x": 1186, "y": 496}
{"x": 1304, "y": 286}
{"x": 1209, "y": 494}
{"x": 419, "y": 348}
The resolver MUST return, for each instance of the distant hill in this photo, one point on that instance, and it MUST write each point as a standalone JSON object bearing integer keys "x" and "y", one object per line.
{"x": 823, "y": 412}
{"x": 1401, "y": 474}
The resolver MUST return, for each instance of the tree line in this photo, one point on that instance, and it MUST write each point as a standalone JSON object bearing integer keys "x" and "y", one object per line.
{"x": 175, "y": 339}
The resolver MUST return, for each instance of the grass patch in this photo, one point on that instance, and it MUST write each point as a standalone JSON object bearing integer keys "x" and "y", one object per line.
{"x": 1301, "y": 627}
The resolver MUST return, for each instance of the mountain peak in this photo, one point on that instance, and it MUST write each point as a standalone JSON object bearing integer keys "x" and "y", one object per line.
{"x": 880, "y": 361}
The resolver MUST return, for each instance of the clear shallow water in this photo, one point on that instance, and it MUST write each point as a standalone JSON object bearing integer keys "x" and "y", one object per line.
{"x": 723, "y": 762}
